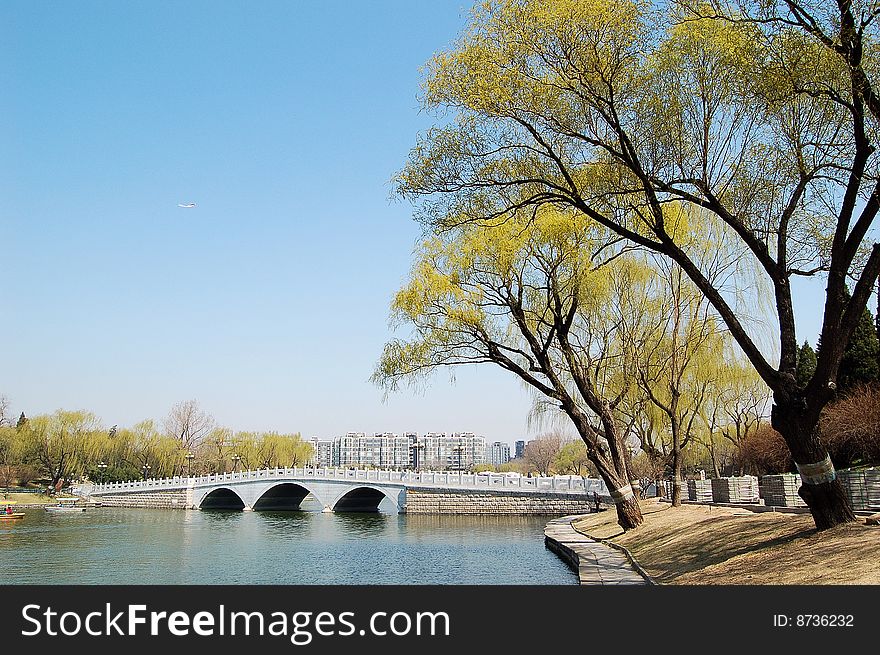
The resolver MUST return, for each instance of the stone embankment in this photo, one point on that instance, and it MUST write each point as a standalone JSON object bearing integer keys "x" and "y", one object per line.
{"x": 454, "y": 501}
{"x": 164, "y": 499}
{"x": 594, "y": 562}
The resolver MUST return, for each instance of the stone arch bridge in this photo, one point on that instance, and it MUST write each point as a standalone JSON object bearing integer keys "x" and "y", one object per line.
{"x": 357, "y": 490}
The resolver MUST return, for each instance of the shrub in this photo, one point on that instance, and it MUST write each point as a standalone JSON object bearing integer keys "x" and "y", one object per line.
{"x": 850, "y": 427}
{"x": 764, "y": 452}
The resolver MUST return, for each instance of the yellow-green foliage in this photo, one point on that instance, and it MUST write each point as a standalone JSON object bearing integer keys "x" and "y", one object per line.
{"x": 143, "y": 445}
{"x": 493, "y": 68}
{"x": 470, "y": 288}
{"x": 270, "y": 449}
{"x": 582, "y": 103}
{"x": 61, "y": 445}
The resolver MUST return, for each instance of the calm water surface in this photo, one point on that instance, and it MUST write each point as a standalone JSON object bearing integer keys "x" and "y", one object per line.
{"x": 139, "y": 546}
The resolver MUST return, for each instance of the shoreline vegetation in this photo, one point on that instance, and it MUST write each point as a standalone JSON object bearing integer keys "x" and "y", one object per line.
{"x": 706, "y": 545}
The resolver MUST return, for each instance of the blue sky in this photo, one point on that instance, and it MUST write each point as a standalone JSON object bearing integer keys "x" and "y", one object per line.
{"x": 268, "y": 302}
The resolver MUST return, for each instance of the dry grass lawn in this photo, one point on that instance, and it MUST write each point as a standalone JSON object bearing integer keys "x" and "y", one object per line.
{"x": 701, "y": 545}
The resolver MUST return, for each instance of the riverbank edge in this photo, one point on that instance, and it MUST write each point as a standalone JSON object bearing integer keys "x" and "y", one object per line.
{"x": 567, "y": 544}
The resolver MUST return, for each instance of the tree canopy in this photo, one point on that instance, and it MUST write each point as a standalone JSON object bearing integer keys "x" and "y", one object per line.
{"x": 544, "y": 297}
{"x": 759, "y": 115}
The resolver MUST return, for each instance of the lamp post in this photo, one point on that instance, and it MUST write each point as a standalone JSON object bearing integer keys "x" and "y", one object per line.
{"x": 235, "y": 460}
{"x": 189, "y": 458}
{"x": 458, "y": 450}
{"x": 415, "y": 456}
{"x": 101, "y": 468}
{"x": 145, "y": 468}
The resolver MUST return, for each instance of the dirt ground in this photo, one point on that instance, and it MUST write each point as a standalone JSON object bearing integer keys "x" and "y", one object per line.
{"x": 702, "y": 545}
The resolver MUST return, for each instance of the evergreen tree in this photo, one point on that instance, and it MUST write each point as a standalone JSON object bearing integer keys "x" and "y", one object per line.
{"x": 877, "y": 321}
{"x": 21, "y": 420}
{"x": 806, "y": 365}
{"x": 860, "y": 359}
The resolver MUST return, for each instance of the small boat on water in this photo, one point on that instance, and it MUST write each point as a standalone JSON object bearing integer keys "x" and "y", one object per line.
{"x": 65, "y": 505}
{"x": 9, "y": 514}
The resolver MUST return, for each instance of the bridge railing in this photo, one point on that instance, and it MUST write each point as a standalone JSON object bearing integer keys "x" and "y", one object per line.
{"x": 558, "y": 484}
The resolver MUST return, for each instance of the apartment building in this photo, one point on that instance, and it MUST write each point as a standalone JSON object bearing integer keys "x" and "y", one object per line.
{"x": 459, "y": 451}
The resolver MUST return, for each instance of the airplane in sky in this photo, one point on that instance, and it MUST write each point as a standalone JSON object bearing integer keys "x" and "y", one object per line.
{"x": 186, "y": 204}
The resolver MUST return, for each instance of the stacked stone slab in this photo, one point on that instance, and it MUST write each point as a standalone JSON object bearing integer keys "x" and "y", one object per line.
{"x": 781, "y": 490}
{"x": 700, "y": 490}
{"x": 668, "y": 486}
{"x": 872, "y": 482}
{"x": 739, "y": 489}
{"x": 862, "y": 486}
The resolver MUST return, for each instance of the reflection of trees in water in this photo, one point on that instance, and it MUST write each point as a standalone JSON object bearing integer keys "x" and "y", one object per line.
{"x": 363, "y": 524}
{"x": 286, "y": 523}
{"x": 221, "y": 514}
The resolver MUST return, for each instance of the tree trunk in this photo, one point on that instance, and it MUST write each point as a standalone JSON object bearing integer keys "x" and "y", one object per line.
{"x": 634, "y": 481}
{"x": 629, "y": 514}
{"x": 829, "y": 504}
{"x": 798, "y": 423}
{"x": 676, "y": 456}
{"x": 611, "y": 466}
{"x": 676, "y": 478}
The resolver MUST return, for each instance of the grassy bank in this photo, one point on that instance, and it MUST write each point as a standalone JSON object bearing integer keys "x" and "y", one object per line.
{"x": 28, "y": 499}
{"x": 700, "y": 545}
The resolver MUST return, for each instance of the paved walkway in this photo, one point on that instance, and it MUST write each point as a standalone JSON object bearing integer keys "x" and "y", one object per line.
{"x": 595, "y": 562}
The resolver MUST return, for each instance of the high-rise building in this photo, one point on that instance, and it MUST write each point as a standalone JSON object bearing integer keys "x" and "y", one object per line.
{"x": 346, "y": 451}
{"x": 498, "y": 453}
{"x": 460, "y": 451}
{"x": 323, "y": 455}
{"x": 519, "y": 447}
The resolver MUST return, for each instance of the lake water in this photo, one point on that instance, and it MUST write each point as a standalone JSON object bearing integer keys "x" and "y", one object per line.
{"x": 140, "y": 546}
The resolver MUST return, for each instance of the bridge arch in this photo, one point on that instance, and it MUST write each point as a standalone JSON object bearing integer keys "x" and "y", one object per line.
{"x": 362, "y": 498}
{"x": 222, "y": 498}
{"x": 284, "y": 496}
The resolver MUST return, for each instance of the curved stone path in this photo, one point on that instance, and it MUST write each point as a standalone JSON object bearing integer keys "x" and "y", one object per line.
{"x": 595, "y": 563}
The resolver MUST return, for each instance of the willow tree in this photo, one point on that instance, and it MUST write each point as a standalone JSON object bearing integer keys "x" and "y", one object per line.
{"x": 271, "y": 449}
{"x": 680, "y": 362}
{"x": 147, "y": 452}
{"x": 10, "y": 454}
{"x": 735, "y": 405}
{"x": 572, "y": 459}
{"x": 611, "y": 109}
{"x": 62, "y": 445}
{"x": 527, "y": 296}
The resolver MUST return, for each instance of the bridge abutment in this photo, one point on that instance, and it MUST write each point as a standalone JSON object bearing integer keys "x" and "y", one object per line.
{"x": 458, "y": 501}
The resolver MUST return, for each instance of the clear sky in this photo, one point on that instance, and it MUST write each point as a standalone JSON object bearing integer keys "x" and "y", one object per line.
{"x": 268, "y": 302}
